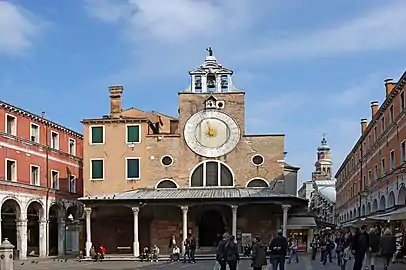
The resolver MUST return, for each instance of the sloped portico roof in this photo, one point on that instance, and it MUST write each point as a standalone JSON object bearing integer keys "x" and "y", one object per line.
{"x": 168, "y": 194}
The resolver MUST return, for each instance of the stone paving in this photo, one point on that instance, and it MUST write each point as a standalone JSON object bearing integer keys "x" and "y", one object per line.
{"x": 305, "y": 264}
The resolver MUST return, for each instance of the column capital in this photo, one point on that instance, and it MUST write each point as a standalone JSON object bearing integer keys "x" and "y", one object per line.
{"x": 234, "y": 207}
{"x": 22, "y": 222}
{"x": 88, "y": 210}
{"x": 135, "y": 210}
{"x": 286, "y": 207}
{"x": 43, "y": 221}
{"x": 184, "y": 208}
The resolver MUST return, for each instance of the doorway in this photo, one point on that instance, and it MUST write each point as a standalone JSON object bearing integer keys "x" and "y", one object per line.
{"x": 211, "y": 228}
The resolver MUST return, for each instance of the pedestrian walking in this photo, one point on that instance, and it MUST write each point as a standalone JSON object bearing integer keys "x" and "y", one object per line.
{"x": 388, "y": 247}
{"x": 360, "y": 247}
{"x": 258, "y": 254}
{"x": 278, "y": 249}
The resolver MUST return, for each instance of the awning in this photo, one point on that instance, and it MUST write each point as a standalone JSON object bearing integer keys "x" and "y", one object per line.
{"x": 301, "y": 223}
{"x": 399, "y": 214}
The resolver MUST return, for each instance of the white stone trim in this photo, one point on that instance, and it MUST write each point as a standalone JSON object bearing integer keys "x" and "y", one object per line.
{"x": 164, "y": 157}
{"x": 90, "y": 134}
{"x": 74, "y": 146}
{"x": 166, "y": 179}
{"x": 39, "y": 132}
{"x": 257, "y": 165}
{"x": 58, "y": 142}
{"x": 104, "y": 169}
{"x": 126, "y": 168}
{"x": 139, "y": 133}
{"x": 204, "y": 173}
{"x": 15, "y": 124}
{"x": 39, "y": 174}
{"x": 15, "y": 170}
{"x": 35, "y": 153}
{"x": 257, "y": 178}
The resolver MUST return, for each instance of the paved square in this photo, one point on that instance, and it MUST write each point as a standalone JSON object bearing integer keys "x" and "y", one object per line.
{"x": 305, "y": 264}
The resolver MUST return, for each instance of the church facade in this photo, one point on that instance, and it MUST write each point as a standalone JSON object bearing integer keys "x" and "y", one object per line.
{"x": 148, "y": 176}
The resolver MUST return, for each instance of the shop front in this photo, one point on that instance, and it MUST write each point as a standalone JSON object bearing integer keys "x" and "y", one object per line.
{"x": 301, "y": 228}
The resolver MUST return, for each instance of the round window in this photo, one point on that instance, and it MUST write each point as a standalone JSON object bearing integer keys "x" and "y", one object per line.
{"x": 257, "y": 160}
{"x": 167, "y": 160}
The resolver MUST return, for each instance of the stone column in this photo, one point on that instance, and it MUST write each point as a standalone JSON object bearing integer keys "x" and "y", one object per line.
{"x": 61, "y": 236}
{"x": 285, "y": 209}
{"x": 88, "y": 212}
{"x": 43, "y": 223}
{"x": 136, "y": 243}
{"x": 184, "y": 226}
{"x": 234, "y": 209}
{"x": 6, "y": 255}
{"x": 22, "y": 235}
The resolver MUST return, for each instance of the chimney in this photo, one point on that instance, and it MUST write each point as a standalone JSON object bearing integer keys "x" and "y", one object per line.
{"x": 43, "y": 114}
{"x": 116, "y": 93}
{"x": 364, "y": 124}
{"x": 374, "y": 107}
{"x": 389, "y": 86}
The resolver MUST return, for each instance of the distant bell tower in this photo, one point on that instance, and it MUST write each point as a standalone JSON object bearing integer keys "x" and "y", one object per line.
{"x": 211, "y": 77}
{"x": 324, "y": 164}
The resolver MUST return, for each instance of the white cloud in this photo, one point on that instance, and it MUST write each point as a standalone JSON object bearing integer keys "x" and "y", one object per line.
{"x": 18, "y": 29}
{"x": 376, "y": 30}
{"x": 175, "y": 21}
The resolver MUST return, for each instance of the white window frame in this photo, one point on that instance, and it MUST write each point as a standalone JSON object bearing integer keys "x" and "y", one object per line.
{"x": 392, "y": 158}
{"x": 14, "y": 130}
{"x": 6, "y": 171}
{"x": 52, "y": 179}
{"x": 91, "y": 134}
{"x": 402, "y": 152}
{"x": 39, "y": 175}
{"x": 57, "y": 142}
{"x": 91, "y": 169}
{"x": 37, "y": 136}
{"x": 72, "y": 178}
{"x": 74, "y": 146}
{"x": 383, "y": 166}
{"x": 139, "y": 133}
{"x": 126, "y": 168}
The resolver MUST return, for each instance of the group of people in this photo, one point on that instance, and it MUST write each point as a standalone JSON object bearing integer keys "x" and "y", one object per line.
{"x": 227, "y": 252}
{"x": 364, "y": 246}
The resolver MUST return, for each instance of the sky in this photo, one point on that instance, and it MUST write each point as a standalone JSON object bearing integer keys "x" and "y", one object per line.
{"x": 307, "y": 67}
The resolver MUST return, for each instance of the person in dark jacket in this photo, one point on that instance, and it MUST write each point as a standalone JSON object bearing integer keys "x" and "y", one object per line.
{"x": 278, "y": 249}
{"x": 388, "y": 246}
{"x": 360, "y": 247}
{"x": 221, "y": 251}
{"x": 258, "y": 254}
{"x": 374, "y": 246}
{"x": 231, "y": 252}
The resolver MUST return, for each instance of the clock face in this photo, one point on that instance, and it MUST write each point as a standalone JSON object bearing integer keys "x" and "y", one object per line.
{"x": 211, "y": 133}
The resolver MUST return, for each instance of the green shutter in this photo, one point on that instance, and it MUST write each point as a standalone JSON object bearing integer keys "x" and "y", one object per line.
{"x": 133, "y": 134}
{"x": 97, "y": 169}
{"x": 133, "y": 168}
{"x": 97, "y": 134}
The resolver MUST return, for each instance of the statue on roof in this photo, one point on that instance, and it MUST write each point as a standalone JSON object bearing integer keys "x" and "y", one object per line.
{"x": 210, "y": 51}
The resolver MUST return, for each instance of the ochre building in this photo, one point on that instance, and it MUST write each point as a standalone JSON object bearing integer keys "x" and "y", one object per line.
{"x": 148, "y": 175}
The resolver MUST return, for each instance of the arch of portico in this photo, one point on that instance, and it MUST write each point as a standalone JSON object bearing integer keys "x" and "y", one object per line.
{"x": 402, "y": 196}
{"x": 382, "y": 203}
{"x": 391, "y": 199}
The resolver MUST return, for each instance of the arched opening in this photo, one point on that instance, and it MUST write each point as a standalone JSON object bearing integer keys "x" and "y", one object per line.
{"x": 34, "y": 214}
{"x": 211, "y": 225}
{"x": 382, "y": 203}
{"x": 166, "y": 183}
{"x": 375, "y": 206}
{"x": 391, "y": 199}
{"x": 72, "y": 229}
{"x": 355, "y": 213}
{"x": 350, "y": 215}
{"x": 55, "y": 213}
{"x": 363, "y": 210}
{"x": 212, "y": 173}
{"x": 368, "y": 208}
{"x": 402, "y": 196}
{"x": 257, "y": 183}
{"x": 10, "y": 213}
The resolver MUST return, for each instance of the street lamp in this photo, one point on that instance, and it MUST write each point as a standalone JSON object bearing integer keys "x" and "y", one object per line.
{"x": 362, "y": 194}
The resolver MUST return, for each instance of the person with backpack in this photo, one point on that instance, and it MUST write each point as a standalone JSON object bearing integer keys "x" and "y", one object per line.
{"x": 278, "y": 249}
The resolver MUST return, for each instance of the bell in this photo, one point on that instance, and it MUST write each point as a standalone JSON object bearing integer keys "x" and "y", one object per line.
{"x": 198, "y": 84}
{"x": 211, "y": 83}
{"x": 224, "y": 84}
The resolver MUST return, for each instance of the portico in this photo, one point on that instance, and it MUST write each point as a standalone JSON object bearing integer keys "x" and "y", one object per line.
{"x": 153, "y": 220}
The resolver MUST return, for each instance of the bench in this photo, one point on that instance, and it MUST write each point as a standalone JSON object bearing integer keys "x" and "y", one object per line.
{"x": 123, "y": 249}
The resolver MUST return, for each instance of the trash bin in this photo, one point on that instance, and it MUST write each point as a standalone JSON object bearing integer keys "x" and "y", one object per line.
{"x": 16, "y": 254}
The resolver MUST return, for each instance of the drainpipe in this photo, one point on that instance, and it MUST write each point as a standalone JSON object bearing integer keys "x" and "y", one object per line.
{"x": 47, "y": 183}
